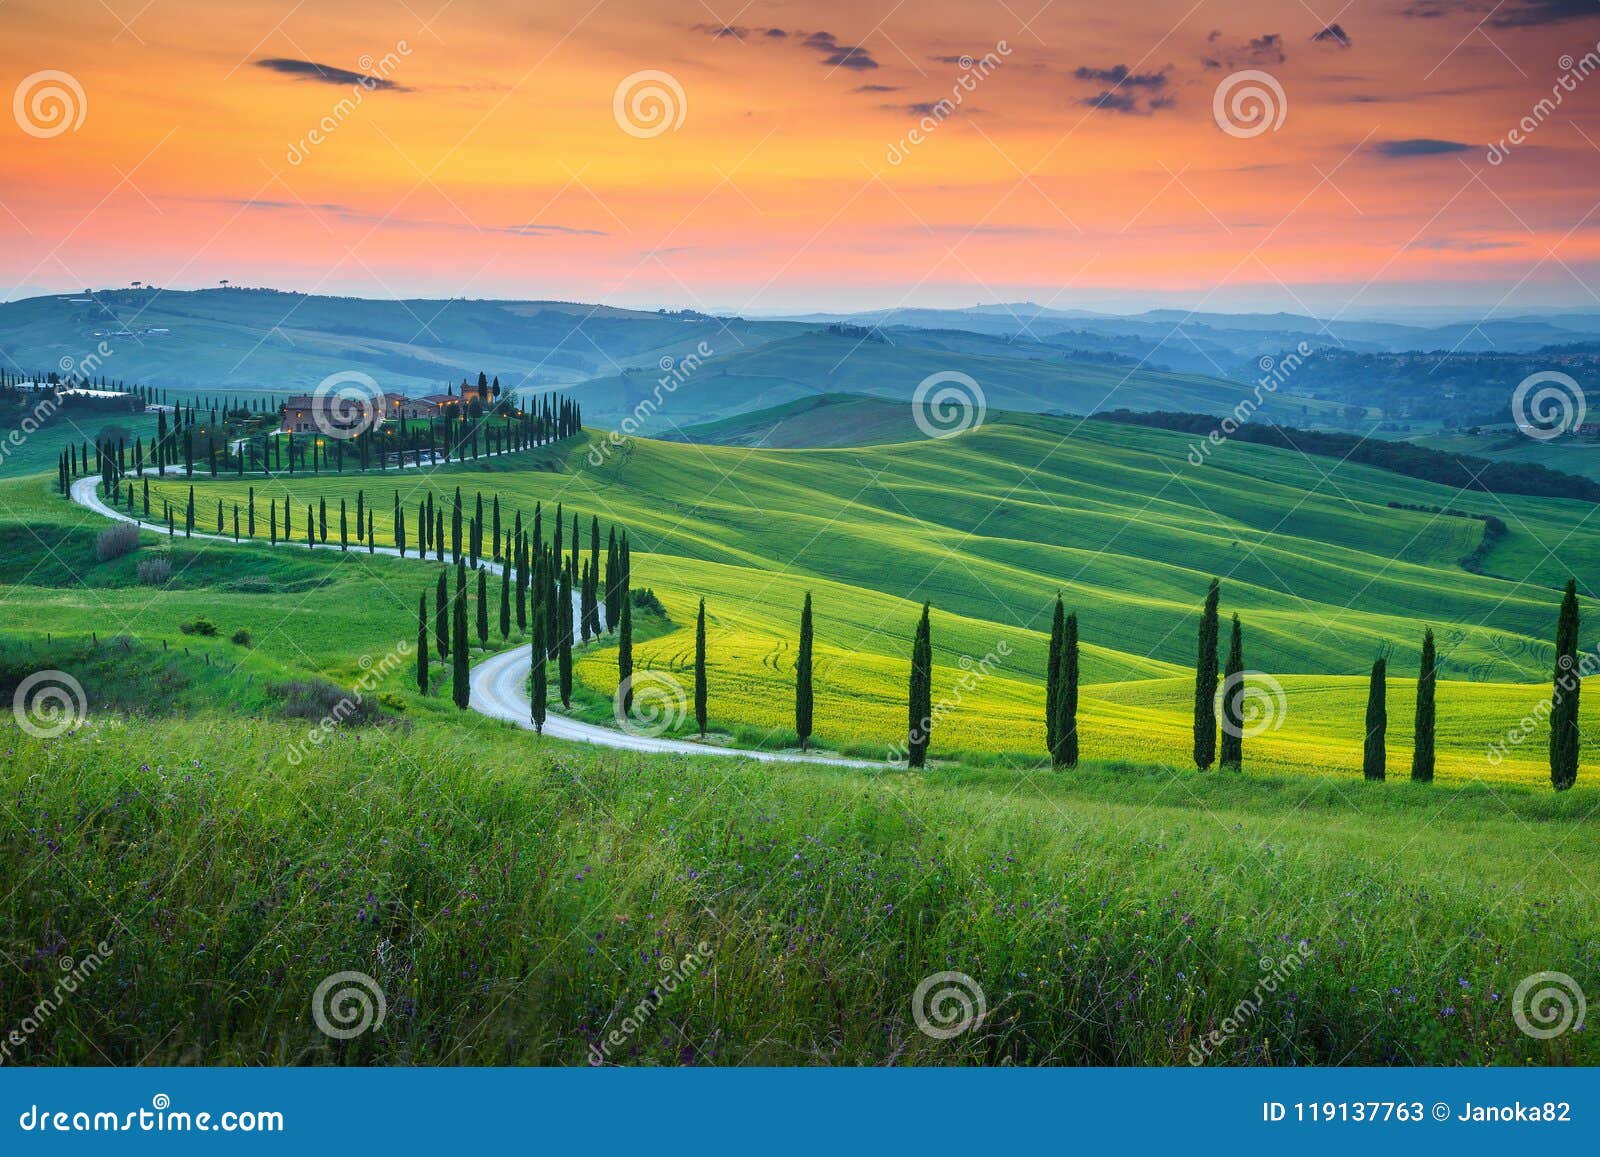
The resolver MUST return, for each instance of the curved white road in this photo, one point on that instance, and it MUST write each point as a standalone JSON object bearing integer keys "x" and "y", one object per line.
{"x": 499, "y": 683}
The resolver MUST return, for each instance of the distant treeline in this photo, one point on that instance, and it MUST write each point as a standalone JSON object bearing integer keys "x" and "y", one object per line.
{"x": 1462, "y": 471}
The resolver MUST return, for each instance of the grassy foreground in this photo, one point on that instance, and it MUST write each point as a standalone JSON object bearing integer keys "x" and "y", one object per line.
{"x": 516, "y": 900}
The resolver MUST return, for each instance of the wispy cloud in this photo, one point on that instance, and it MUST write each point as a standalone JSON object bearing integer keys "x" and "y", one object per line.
{"x": 1418, "y": 147}
{"x": 327, "y": 74}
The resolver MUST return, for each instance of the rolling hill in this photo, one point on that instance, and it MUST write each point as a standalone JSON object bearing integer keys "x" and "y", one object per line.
{"x": 1325, "y": 573}
{"x": 259, "y": 339}
{"x": 823, "y": 362}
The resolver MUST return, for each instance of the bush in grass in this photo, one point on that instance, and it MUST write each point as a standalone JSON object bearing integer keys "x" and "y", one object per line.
{"x": 241, "y": 637}
{"x": 116, "y": 541}
{"x": 154, "y": 572}
{"x": 645, "y": 600}
{"x": 317, "y": 700}
{"x": 199, "y": 627}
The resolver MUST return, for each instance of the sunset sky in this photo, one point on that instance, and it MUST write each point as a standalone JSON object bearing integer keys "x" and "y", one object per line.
{"x": 1087, "y": 169}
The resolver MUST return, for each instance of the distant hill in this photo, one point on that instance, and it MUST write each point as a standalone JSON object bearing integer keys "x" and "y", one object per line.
{"x": 814, "y": 421}
{"x": 820, "y": 362}
{"x": 257, "y": 339}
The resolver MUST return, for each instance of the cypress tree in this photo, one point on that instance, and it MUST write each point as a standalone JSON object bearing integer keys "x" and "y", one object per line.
{"x": 372, "y": 532}
{"x": 344, "y": 528}
{"x": 455, "y": 529}
{"x": 625, "y": 656}
{"x": 483, "y": 607}
{"x": 188, "y": 515}
{"x": 1232, "y": 754}
{"x": 1065, "y": 752}
{"x": 438, "y": 536}
{"x": 505, "y": 601}
{"x": 497, "y": 528}
{"x": 1373, "y": 750}
{"x": 250, "y": 507}
{"x": 541, "y": 674}
{"x": 1564, "y": 697}
{"x": 1205, "y": 683}
{"x": 422, "y": 642}
{"x": 460, "y": 678}
{"x": 613, "y": 575}
{"x": 441, "y": 618}
{"x": 1422, "y": 745}
{"x": 311, "y": 528}
{"x": 920, "y": 712}
{"x": 700, "y": 669}
{"x": 802, "y": 678}
{"x": 322, "y": 518}
{"x": 1052, "y": 680}
{"x": 564, "y": 636}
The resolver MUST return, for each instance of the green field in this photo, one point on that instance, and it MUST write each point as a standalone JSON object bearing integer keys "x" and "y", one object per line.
{"x": 513, "y": 896}
{"x": 1324, "y": 573}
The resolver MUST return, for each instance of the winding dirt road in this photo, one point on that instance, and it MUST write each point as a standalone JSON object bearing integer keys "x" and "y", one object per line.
{"x": 499, "y": 683}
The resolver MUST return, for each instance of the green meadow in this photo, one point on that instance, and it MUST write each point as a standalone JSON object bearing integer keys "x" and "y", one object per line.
{"x": 515, "y": 898}
{"x": 1324, "y": 572}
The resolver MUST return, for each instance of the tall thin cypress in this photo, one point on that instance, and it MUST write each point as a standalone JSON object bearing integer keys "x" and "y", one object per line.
{"x": 505, "y": 601}
{"x": 441, "y": 618}
{"x": 1422, "y": 742}
{"x": 541, "y": 672}
{"x": 1205, "y": 683}
{"x": 700, "y": 669}
{"x": 1232, "y": 753}
{"x": 920, "y": 700}
{"x": 460, "y": 677}
{"x": 1052, "y": 679}
{"x": 1065, "y": 753}
{"x": 1373, "y": 749}
{"x": 564, "y": 635}
{"x": 802, "y": 678}
{"x": 422, "y": 642}
{"x": 1568, "y": 682}
{"x": 625, "y": 656}
{"x": 483, "y": 607}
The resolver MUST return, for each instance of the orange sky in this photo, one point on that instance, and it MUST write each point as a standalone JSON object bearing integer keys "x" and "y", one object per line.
{"x": 494, "y": 165}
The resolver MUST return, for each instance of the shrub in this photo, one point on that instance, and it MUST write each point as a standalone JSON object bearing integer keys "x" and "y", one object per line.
{"x": 199, "y": 627}
{"x": 116, "y": 541}
{"x": 317, "y": 700}
{"x": 154, "y": 572}
{"x": 645, "y": 600}
{"x": 241, "y": 637}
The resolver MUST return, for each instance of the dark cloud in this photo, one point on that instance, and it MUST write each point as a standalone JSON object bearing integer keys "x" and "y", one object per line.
{"x": 326, "y": 74}
{"x": 1108, "y": 101}
{"x": 1258, "y": 50}
{"x": 1267, "y": 49}
{"x": 1333, "y": 34}
{"x": 836, "y": 55}
{"x": 774, "y": 33}
{"x": 1419, "y": 147}
{"x": 876, "y": 88}
{"x": 1515, "y": 14}
{"x": 1119, "y": 76}
{"x": 926, "y": 108}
